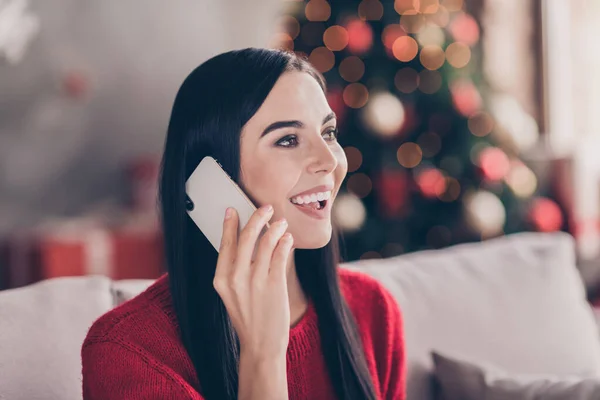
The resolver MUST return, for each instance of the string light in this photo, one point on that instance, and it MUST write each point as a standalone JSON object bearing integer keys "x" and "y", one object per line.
{"x": 349, "y": 212}
{"x": 406, "y": 80}
{"x": 432, "y": 57}
{"x": 409, "y": 155}
{"x": 521, "y": 180}
{"x": 441, "y": 18}
{"x": 317, "y": 10}
{"x": 430, "y": 81}
{"x": 352, "y": 68}
{"x": 405, "y": 48}
{"x": 322, "y": 58}
{"x": 429, "y": 6}
{"x": 359, "y": 184}
{"x": 458, "y": 54}
{"x": 335, "y": 38}
{"x": 354, "y": 157}
{"x": 370, "y": 10}
{"x": 494, "y": 163}
{"x": 355, "y": 95}
{"x": 485, "y": 212}
{"x": 431, "y": 182}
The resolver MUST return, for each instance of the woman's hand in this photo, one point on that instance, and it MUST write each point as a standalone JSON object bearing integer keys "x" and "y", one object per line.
{"x": 255, "y": 292}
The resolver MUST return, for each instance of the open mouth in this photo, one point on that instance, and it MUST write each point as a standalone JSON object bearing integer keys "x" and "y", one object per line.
{"x": 315, "y": 201}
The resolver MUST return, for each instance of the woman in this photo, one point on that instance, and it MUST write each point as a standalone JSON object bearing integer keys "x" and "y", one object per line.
{"x": 287, "y": 324}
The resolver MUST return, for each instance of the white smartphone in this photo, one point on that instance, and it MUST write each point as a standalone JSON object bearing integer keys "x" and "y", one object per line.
{"x": 210, "y": 191}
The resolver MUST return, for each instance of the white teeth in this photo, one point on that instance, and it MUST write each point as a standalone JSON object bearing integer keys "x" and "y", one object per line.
{"x": 313, "y": 197}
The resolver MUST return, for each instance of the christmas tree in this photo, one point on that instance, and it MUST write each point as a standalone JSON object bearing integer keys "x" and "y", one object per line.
{"x": 428, "y": 165}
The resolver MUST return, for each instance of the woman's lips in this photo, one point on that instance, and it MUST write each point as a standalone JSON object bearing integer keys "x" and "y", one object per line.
{"x": 313, "y": 212}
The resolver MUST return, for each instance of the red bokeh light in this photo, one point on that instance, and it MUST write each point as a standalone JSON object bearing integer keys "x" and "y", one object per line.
{"x": 494, "y": 163}
{"x": 431, "y": 182}
{"x": 360, "y": 36}
{"x": 546, "y": 215}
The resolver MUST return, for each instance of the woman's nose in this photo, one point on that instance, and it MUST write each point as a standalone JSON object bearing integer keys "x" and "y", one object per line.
{"x": 322, "y": 158}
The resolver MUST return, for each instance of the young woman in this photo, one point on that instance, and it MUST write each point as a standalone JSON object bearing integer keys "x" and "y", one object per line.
{"x": 287, "y": 324}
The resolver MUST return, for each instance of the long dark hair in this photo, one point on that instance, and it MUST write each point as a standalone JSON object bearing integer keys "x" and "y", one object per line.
{"x": 212, "y": 105}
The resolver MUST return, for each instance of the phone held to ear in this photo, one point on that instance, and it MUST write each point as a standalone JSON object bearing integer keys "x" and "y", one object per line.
{"x": 210, "y": 191}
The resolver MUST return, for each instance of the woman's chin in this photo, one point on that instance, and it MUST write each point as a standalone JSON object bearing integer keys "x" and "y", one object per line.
{"x": 313, "y": 240}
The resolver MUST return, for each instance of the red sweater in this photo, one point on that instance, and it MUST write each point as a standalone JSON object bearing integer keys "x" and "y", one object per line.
{"x": 134, "y": 351}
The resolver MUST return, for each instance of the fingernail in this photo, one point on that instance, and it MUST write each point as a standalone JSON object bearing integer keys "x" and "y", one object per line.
{"x": 228, "y": 213}
{"x": 287, "y": 236}
{"x": 283, "y": 222}
{"x": 268, "y": 208}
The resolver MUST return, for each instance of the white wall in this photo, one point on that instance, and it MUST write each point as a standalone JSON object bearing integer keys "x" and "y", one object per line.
{"x": 59, "y": 155}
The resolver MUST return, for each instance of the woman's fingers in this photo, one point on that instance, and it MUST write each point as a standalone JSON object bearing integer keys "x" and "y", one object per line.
{"x": 227, "y": 248}
{"x": 250, "y": 233}
{"x": 266, "y": 247}
{"x": 280, "y": 257}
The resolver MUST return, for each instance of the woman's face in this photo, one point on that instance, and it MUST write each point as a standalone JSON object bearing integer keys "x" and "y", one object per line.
{"x": 290, "y": 158}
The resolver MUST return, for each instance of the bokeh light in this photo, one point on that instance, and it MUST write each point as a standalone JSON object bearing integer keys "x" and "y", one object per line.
{"x": 432, "y": 57}
{"x": 405, "y": 48}
{"x": 441, "y": 18}
{"x": 412, "y": 23}
{"x": 354, "y": 157}
{"x": 430, "y": 143}
{"x": 485, "y": 212}
{"x": 481, "y": 124}
{"x": 521, "y": 180}
{"x": 352, "y": 68}
{"x": 431, "y": 182}
{"x": 322, "y": 58}
{"x": 384, "y": 114}
{"x": 430, "y": 81}
{"x": 406, "y": 80}
{"x": 453, "y": 5}
{"x": 317, "y": 10}
{"x": 390, "y": 33}
{"x": 370, "y": 10}
{"x": 355, "y": 95}
{"x": 349, "y": 212}
{"x": 464, "y": 29}
{"x": 360, "y": 36}
{"x": 428, "y": 6}
{"x": 409, "y": 155}
{"x": 452, "y": 191}
{"x": 335, "y": 38}
{"x": 494, "y": 163}
{"x": 282, "y": 41}
{"x": 290, "y": 25}
{"x": 408, "y": 7}
{"x": 546, "y": 215}
{"x": 431, "y": 35}
{"x": 359, "y": 184}
{"x": 458, "y": 54}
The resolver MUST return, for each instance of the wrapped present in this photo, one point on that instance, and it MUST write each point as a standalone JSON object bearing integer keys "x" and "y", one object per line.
{"x": 85, "y": 246}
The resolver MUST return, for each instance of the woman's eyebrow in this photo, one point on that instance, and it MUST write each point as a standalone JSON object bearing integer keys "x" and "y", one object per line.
{"x": 293, "y": 124}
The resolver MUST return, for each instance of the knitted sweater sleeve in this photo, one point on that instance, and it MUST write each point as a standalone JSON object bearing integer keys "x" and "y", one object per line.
{"x": 113, "y": 371}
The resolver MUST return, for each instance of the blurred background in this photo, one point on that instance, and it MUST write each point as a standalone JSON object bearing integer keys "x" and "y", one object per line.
{"x": 461, "y": 121}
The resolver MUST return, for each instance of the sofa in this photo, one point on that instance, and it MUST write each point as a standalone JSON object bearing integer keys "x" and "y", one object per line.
{"x": 516, "y": 301}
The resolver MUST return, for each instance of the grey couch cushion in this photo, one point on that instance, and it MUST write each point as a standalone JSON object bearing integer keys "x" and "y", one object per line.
{"x": 468, "y": 380}
{"x": 516, "y": 301}
{"x": 42, "y": 327}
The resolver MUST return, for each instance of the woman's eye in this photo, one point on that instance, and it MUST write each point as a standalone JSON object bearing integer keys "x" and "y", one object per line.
{"x": 333, "y": 134}
{"x": 288, "y": 141}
